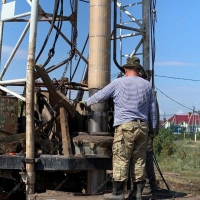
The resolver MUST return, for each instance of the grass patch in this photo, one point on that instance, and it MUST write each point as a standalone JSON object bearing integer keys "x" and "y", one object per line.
{"x": 184, "y": 160}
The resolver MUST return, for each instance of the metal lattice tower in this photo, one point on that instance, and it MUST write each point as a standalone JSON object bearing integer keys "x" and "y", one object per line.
{"x": 130, "y": 32}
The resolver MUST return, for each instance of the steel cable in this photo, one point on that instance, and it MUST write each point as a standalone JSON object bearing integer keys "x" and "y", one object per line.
{"x": 56, "y": 5}
{"x": 59, "y": 26}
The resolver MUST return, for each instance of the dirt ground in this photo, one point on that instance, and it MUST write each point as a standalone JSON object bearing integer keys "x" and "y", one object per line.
{"x": 178, "y": 183}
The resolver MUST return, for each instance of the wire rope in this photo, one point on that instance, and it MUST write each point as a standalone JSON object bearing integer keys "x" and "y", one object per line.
{"x": 59, "y": 27}
{"x": 56, "y": 5}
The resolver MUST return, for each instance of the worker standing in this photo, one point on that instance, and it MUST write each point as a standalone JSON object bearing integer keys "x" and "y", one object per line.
{"x": 134, "y": 107}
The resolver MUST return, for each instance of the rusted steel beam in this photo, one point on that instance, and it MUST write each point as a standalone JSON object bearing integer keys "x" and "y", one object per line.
{"x": 71, "y": 88}
{"x": 41, "y": 84}
{"x": 56, "y": 98}
{"x": 72, "y": 84}
{"x": 66, "y": 142}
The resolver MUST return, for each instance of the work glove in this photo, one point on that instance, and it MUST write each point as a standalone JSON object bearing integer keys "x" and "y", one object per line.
{"x": 82, "y": 104}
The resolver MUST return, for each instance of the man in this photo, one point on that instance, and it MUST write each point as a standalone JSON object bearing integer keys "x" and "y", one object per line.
{"x": 134, "y": 107}
{"x": 151, "y": 186}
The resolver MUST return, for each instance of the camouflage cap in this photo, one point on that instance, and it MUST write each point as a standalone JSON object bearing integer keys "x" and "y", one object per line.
{"x": 133, "y": 63}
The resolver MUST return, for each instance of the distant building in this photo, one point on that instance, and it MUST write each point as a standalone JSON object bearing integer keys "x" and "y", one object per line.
{"x": 183, "y": 123}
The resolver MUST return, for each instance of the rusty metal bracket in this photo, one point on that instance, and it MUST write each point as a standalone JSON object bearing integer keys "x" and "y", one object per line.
{"x": 28, "y": 177}
{"x": 57, "y": 99}
{"x": 28, "y": 160}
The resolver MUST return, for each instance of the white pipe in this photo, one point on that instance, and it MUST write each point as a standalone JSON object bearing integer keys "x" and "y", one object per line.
{"x": 7, "y": 82}
{"x": 13, "y": 93}
{"x": 16, "y": 16}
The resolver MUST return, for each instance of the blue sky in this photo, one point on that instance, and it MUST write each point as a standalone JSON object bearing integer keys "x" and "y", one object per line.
{"x": 177, "y": 54}
{"x": 177, "y": 49}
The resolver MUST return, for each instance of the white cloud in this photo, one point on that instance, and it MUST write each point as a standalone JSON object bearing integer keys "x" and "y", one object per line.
{"x": 176, "y": 63}
{"x": 179, "y": 112}
{"x": 7, "y": 50}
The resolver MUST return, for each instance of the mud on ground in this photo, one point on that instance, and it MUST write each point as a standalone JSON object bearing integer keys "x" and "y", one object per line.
{"x": 178, "y": 183}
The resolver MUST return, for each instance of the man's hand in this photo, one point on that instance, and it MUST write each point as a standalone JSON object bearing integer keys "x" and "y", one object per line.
{"x": 83, "y": 104}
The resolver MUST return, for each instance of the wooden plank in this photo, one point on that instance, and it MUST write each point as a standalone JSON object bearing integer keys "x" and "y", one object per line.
{"x": 66, "y": 142}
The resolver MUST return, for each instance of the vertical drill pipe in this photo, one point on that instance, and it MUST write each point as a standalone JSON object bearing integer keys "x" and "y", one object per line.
{"x": 30, "y": 139}
{"x": 99, "y": 60}
{"x": 98, "y": 76}
{"x": 1, "y": 33}
{"x": 146, "y": 40}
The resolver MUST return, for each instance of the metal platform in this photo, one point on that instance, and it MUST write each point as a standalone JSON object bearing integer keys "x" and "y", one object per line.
{"x": 57, "y": 162}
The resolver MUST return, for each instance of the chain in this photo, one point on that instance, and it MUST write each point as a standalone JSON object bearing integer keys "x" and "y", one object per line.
{"x": 61, "y": 83}
{"x": 72, "y": 53}
{"x": 65, "y": 71}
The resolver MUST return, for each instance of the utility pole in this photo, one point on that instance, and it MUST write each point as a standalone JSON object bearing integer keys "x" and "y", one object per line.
{"x": 194, "y": 125}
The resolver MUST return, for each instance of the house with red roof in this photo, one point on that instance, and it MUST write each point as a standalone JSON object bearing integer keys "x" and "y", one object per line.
{"x": 183, "y": 123}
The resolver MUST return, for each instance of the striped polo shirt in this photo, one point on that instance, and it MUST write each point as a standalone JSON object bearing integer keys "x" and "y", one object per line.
{"x": 133, "y": 99}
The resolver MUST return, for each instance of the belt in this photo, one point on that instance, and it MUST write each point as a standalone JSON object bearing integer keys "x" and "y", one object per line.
{"x": 135, "y": 120}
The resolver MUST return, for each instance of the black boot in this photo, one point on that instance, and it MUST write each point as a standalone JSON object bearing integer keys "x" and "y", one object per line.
{"x": 147, "y": 189}
{"x": 117, "y": 194}
{"x": 136, "y": 193}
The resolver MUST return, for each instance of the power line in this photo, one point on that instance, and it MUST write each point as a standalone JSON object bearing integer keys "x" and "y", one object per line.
{"x": 173, "y": 99}
{"x": 186, "y": 79}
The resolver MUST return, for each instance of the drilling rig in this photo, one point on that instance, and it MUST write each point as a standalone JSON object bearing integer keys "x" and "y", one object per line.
{"x": 48, "y": 141}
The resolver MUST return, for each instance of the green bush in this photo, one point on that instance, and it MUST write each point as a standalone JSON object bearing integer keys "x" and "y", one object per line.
{"x": 178, "y": 153}
{"x": 164, "y": 143}
{"x": 186, "y": 159}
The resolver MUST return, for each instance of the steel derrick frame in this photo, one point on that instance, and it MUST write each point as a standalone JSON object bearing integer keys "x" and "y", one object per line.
{"x": 142, "y": 30}
{"x": 42, "y": 14}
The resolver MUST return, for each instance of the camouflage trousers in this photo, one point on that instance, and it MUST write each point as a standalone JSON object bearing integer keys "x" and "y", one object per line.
{"x": 129, "y": 149}
{"x": 150, "y": 172}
